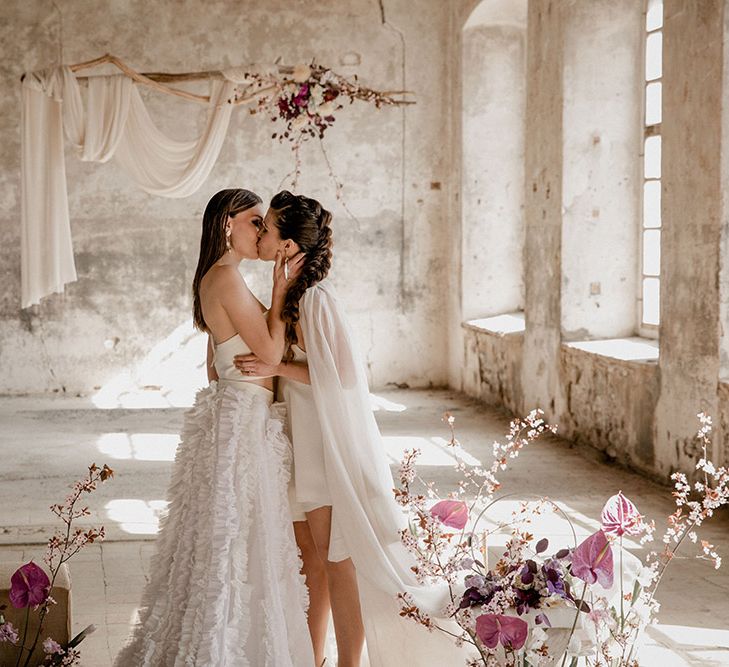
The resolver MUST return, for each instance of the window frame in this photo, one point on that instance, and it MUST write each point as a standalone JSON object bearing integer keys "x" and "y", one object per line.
{"x": 645, "y": 329}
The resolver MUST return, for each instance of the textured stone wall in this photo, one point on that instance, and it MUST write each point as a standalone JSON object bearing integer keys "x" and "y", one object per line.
{"x": 136, "y": 253}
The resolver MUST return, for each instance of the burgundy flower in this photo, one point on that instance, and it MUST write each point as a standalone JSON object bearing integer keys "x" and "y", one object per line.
{"x": 593, "y": 560}
{"x": 494, "y": 629}
{"x": 452, "y": 513}
{"x": 29, "y": 586}
{"x": 620, "y": 516}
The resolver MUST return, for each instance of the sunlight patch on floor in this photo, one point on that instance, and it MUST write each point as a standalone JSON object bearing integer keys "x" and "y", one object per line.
{"x": 139, "y": 446}
{"x": 435, "y": 451}
{"x": 135, "y": 516}
{"x": 380, "y": 403}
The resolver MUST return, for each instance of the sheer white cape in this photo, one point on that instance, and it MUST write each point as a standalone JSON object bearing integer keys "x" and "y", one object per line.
{"x": 361, "y": 486}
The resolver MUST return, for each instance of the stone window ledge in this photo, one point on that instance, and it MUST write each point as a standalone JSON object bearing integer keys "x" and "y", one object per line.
{"x": 634, "y": 348}
{"x": 500, "y": 325}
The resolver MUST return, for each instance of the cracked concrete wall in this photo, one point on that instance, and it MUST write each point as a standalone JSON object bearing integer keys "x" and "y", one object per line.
{"x": 601, "y": 179}
{"x": 643, "y": 414}
{"x": 493, "y": 169}
{"x": 136, "y": 253}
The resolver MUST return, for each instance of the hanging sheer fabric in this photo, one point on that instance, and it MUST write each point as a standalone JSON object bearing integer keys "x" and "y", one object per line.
{"x": 46, "y": 253}
{"x": 364, "y": 512}
{"x": 115, "y": 122}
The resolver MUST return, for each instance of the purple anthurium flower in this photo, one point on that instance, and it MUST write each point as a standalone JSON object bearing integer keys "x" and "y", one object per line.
{"x": 593, "y": 560}
{"x": 452, "y": 513}
{"x": 29, "y": 586}
{"x": 620, "y": 516}
{"x": 494, "y": 629}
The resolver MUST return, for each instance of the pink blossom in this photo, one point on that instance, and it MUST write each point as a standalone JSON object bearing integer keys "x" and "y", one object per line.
{"x": 8, "y": 633}
{"x": 593, "y": 560}
{"x": 620, "y": 516}
{"x": 452, "y": 513}
{"x": 29, "y": 586}
{"x": 493, "y": 629}
{"x": 51, "y": 647}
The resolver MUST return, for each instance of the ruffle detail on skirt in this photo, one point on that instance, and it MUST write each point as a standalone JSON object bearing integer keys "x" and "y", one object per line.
{"x": 225, "y": 588}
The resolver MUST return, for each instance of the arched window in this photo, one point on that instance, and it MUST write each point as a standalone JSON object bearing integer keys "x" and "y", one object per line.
{"x": 493, "y": 105}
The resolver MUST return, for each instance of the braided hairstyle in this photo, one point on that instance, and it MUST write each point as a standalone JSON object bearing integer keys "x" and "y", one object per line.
{"x": 213, "y": 239}
{"x": 306, "y": 222}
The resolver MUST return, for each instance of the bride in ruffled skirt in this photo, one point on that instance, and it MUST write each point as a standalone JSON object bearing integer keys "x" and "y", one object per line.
{"x": 225, "y": 587}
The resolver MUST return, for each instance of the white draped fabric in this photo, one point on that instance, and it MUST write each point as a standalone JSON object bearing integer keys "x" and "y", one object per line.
{"x": 115, "y": 122}
{"x": 364, "y": 511}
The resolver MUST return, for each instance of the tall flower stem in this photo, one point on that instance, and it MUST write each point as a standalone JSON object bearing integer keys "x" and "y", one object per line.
{"x": 25, "y": 633}
{"x": 574, "y": 623}
{"x": 622, "y": 611}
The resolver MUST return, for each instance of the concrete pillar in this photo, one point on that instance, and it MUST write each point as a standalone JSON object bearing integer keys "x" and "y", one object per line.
{"x": 543, "y": 207}
{"x": 692, "y": 214}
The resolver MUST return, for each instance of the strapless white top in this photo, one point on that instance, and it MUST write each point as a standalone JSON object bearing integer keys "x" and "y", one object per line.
{"x": 223, "y": 359}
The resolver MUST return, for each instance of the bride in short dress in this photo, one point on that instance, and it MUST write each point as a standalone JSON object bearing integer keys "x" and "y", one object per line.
{"x": 225, "y": 588}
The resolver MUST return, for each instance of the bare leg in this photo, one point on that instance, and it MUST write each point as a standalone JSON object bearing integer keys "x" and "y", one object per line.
{"x": 343, "y": 592}
{"x": 316, "y": 581}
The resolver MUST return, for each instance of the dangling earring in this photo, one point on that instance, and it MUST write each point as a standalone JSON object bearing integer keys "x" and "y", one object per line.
{"x": 286, "y": 268}
{"x": 228, "y": 247}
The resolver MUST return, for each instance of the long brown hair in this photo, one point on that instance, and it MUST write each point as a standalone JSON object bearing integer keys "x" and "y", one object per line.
{"x": 213, "y": 241}
{"x": 306, "y": 222}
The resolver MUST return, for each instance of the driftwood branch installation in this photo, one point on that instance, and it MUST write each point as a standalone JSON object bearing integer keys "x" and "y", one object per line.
{"x": 156, "y": 80}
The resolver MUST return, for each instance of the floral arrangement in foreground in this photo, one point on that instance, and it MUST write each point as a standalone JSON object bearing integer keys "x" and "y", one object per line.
{"x": 30, "y": 585}
{"x": 582, "y": 604}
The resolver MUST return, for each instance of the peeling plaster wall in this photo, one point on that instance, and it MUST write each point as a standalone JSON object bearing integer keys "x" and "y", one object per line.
{"x": 136, "y": 254}
{"x": 691, "y": 231}
{"x": 601, "y": 182}
{"x": 493, "y": 169}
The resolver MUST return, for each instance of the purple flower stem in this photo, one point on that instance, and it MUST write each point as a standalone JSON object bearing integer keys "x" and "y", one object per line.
{"x": 574, "y": 623}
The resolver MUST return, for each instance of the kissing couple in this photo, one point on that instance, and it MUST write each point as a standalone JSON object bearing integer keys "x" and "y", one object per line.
{"x": 277, "y": 521}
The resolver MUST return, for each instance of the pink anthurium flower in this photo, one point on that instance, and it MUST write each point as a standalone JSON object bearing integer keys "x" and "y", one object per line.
{"x": 29, "y": 586}
{"x": 509, "y": 631}
{"x": 620, "y": 516}
{"x": 593, "y": 560}
{"x": 452, "y": 513}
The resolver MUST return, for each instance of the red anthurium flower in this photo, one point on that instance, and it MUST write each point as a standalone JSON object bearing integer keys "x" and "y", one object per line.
{"x": 509, "y": 631}
{"x": 452, "y": 513}
{"x": 593, "y": 560}
{"x": 29, "y": 586}
{"x": 620, "y": 516}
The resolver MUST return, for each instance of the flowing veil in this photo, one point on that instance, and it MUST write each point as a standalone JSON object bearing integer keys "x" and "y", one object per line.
{"x": 365, "y": 515}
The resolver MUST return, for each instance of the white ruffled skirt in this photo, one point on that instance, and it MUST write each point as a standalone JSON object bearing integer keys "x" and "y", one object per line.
{"x": 225, "y": 588}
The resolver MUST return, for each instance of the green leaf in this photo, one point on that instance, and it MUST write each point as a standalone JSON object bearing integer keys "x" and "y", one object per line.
{"x": 636, "y": 591}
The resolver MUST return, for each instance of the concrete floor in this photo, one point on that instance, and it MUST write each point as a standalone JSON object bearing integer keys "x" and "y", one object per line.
{"x": 46, "y": 443}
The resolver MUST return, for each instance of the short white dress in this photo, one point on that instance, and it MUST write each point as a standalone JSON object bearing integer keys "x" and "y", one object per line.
{"x": 309, "y": 488}
{"x": 225, "y": 588}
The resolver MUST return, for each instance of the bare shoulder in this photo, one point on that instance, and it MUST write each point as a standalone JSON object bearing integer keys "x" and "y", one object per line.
{"x": 223, "y": 280}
